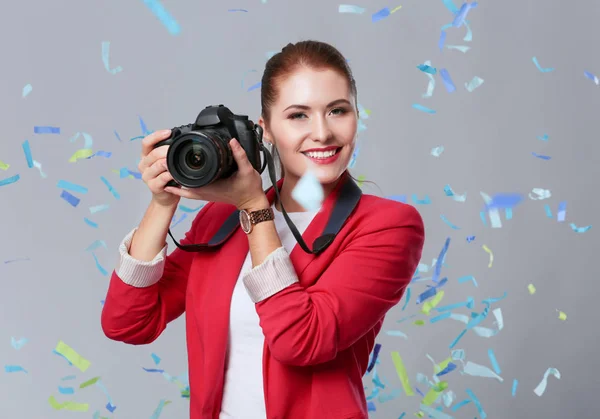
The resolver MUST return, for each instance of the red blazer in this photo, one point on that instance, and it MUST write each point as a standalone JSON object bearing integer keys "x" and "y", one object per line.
{"x": 319, "y": 332}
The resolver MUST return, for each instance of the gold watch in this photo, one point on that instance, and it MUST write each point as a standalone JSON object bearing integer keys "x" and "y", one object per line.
{"x": 249, "y": 219}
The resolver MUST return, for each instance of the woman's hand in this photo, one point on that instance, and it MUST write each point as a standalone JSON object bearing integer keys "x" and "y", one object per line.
{"x": 242, "y": 189}
{"x": 153, "y": 167}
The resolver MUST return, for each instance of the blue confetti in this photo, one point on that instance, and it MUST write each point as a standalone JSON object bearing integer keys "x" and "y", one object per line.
{"x": 476, "y": 403}
{"x": 63, "y": 184}
{"x": 543, "y": 70}
{"x": 539, "y": 156}
{"x": 562, "y": 211}
{"x": 237, "y": 10}
{"x": 427, "y": 69}
{"x": 118, "y": 136}
{"x": 494, "y": 361}
{"x": 374, "y": 358}
{"x": 445, "y": 220}
{"x": 514, "y": 387}
{"x": 100, "y": 268}
{"x": 27, "y": 151}
{"x": 46, "y": 130}
{"x": 423, "y": 108}
{"x": 164, "y": 16}
{"x": 255, "y": 86}
{"x": 449, "y": 368}
{"x": 156, "y": 358}
{"x": 470, "y": 239}
{"x": 450, "y": 87}
{"x": 153, "y": 370}
{"x": 442, "y": 40}
{"x": 14, "y": 368}
{"x": 110, "y": 187}
{"x": 462, "y": 14}
{"x": 66, "y": 390}
{"x": 73, "y": 200}
{"x": 106, "y": 154}
{"x": 90, "y": 223}
{"x": 190, "y": 210}
{"x": 383, "y": 13}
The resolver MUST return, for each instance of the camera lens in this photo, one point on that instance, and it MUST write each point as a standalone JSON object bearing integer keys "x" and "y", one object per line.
{"x": 195, "y": 158}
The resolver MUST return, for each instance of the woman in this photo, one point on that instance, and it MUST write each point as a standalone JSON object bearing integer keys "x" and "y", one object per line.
{"x": 272, "y": 331}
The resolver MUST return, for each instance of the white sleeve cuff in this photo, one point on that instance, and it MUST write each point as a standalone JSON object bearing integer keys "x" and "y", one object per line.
{"x": 139, "y": 273}
{"x": 274, "y": 274}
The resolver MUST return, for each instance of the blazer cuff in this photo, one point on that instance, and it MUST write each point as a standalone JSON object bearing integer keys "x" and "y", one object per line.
{"x": 138, "y": 273}
{"x": 273, "y": 275}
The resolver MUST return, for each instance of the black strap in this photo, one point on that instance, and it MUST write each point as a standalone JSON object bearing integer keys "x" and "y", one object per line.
{"x": 347, "y": 200}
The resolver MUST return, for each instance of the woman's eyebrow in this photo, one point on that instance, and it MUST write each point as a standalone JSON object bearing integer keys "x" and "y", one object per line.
{"x": 335, "y": 102}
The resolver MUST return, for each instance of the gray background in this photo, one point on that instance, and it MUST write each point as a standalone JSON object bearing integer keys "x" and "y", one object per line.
{"x": 488, "y": 136}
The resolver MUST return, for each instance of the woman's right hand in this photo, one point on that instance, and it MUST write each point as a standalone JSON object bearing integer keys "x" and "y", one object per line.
{"x": 153, "y": 167}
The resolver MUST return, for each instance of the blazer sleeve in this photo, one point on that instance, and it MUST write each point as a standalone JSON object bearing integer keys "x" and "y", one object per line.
{"x": 308, "y": 326}
{"x": 137, "y": 307}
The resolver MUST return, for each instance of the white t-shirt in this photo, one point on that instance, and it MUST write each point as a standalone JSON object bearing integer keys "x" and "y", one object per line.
{"x": 243, "y": 395}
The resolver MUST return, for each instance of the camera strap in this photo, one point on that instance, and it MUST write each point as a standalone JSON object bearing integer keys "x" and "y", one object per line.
{"x": 346, "y": 201}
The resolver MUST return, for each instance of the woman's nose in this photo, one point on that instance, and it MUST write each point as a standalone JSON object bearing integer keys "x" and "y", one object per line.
{"x": 321, "y": 130}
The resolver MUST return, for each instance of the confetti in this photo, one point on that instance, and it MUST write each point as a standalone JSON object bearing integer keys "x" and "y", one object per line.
{"x": 73, "y": 357}
{"x": 106, "y": 59}
{"x": 383, "y": 13}
{"x": 445, "y": 220}
{"x": 81, "y": 154}
{"x": 575, "y": 228}
{"x": 308, "y": 192}
{"x": 424, "y": 201}
{"x": 433, "y": 413}
{"x": 27, "y": 151}
{"x": 476, "y": 402}
{"x": 71, "y": 199}
{"x": 591, "y": 77}
{"x": 90, "y": 223}
{"x": 4, "y": 166}
{"x": 467, "y": 278}
{"x": 449, "y": 192}
{"x": 38, "y": 166}
{"x": 348, "y": 8}
{"x": 562, "y": 315}
{"x": 474, "y": 83}
{"x": 26, "y": 90}
{"x": 477, "y": 370}
{"x": 461, "y": 48}
{"x": 18, "y": 344}
{"x": 99, "y": 208}
{"x": 462, "y": 14}
{"x": 237, "y": 10}
{"x": 374, "y": 356}
{"x": 159, "y": 409}
{"x": 442, "y": 40}
{"x": 543, "y": 137}
{"x": 470, "y": 239}
{"x": 429, "y": 71}
{"x": 399, "y": 365}
{"x": 562, "y": 211}
{"x": 422, "y": 108}
{"x": 543, "y": 70}
{"x": 63, "y": 184}
{"x": 46, "y": 130}
{"x": 487, "y": 249}
{"x": 539, "y": 156}
{"x": 491, "y": 211}
{"x": 164, "y": 16}
{"x": 531, "y": 289}
{"x": 514, "y": 387}
{"x": 450, "y": 87}
{"x": 541, "y": 387}
{"x": 494, "y": 362}
{"x": 426, "y": 68}
{"x": 14, "y": 368}
{"x": 538, "y": 194}
{"x": 110, "y": 187}
{"x": 76, "y": 407}
{"x": 437, "y": 151}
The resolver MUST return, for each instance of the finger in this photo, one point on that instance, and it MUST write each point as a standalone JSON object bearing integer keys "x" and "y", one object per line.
{"x": 184, "y": 193}
{"x": 239, "y": 154}
{"x": 150, "y": 140}
{"x": 158, "y": 184}
{"x": 158, "y": 167}
{"x": 155, "y": 155}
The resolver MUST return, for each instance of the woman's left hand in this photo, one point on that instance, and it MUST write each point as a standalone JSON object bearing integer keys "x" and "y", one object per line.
{"x": 242, "y": 189}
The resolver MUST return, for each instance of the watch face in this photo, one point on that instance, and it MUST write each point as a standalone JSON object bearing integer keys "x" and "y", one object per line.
{"x": 245, "y": 221}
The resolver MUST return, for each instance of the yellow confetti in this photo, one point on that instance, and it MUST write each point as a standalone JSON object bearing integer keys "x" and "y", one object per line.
{"x": 419, "y": 322}
{"x": 487, "y": 249}
{"x": 429, "y": 304}
{"x": 76, "y": 407}
{"x": 360, "y": 179}
{"x": 531, "y": 289}
{"x": 434, "y": 393}
{"x": 397, "y": 8}
{"x": 562, "y": 315}
{"x": 4, "y": 166}
{"x": 442, "y": 365}
{"x": 84, "y": 153}
{"x": 402, "y": 373}
{"x": 73, "y": 357}
{"x": 118, "y": 172}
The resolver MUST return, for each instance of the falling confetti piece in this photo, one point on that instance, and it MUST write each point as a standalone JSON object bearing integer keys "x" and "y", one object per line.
{"x": 46, "y": 130}
{"x": 450, "y": 224}
{"x": 383, "y": 13}
{"x": 487, "y": 249}
{"x": 591, "y": 77}
{"x": 461, "y": 48}
{"x": 106, "y": 59}
{"x": 462, "y": 14}
{"x": 474, "y": 83}
{"x": 442, "y": 40}
{"x": 18, "y": 344}
{"x": 63, "y": 184}
{"x": 348, "y": 8}
{"x": 237, "y": 10}
{"x": 476, "y": 402}
{"x": 437, "y": 151}
{"x": 424, "y": 201}
{"x": 27, "y": 151}
{"x": 99, "y": 208}
{"x": 541, "y": 387}
{"x": 89, "y": 382}
{"x": 514, "y": 387}
{"x": 308, "y": 192}
{"x": 422, "y": 108}
{"x": 575, "y": 228}
{"x": 110, "y": 187}
{"x": 26, "y": 90}
{"x": 426, "y": 68}
{"x": 458, "y": 198}
{"x": 562, "y": 315}
{"x": 83, "y": 153}
{"x": 164, "y": 16}
{"x": 541, "y": 194}
{"x": 429, "y": 73}
{"x": 399, "y": 365}
{"x": 494, "y": 361}
{"x": 543, "y": 70}
{"x": 71, "y": 199}
{"x": 543, "y": 137}
{"x": 470, "y": 239}
{"x": 38, "y": 166}
{"x": 73, "y": 357}
{"x": 14, "y": 368}
{"x": 4, "y": 166}
{"x": 562, "y": 211}
{"x": 76, "y": 407}
{"x": 448, "y": 83}
{"x": 539, "y": 156}
{"x": 531, "y": 289}
{"x": 90, "y": 223}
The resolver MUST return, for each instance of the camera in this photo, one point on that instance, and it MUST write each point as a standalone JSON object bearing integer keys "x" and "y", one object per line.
{"x": 199, "y": 153}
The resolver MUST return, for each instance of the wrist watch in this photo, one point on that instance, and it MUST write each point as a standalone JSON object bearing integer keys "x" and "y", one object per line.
{"x": 249, "y": 219}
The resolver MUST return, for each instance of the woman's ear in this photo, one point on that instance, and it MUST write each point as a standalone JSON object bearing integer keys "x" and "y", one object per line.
{"x": 266, "y": 134}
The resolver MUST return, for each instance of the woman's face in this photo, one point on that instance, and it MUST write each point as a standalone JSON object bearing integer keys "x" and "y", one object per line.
{"x": 313, "y": 124}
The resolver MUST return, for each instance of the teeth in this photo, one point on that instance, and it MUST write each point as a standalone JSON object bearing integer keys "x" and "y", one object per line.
{"x": 320, "y": 154}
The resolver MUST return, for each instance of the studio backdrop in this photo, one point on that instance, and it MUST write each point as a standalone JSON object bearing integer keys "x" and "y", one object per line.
{"x": 483, "y": 116}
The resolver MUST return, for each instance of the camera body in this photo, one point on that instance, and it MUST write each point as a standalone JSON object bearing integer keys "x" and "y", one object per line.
{"x": 199, "y": 153}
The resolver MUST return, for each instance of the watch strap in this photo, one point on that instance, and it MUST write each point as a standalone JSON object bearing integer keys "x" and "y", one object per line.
{"x": 261, "y": 215}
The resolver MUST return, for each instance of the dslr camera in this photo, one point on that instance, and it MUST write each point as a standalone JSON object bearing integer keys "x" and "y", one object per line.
{"x": 199, "y": 153}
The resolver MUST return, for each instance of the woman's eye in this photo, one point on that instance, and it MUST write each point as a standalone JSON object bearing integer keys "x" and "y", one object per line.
{"x": 338, "y": 111}
{"x": 296, "y": 115}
